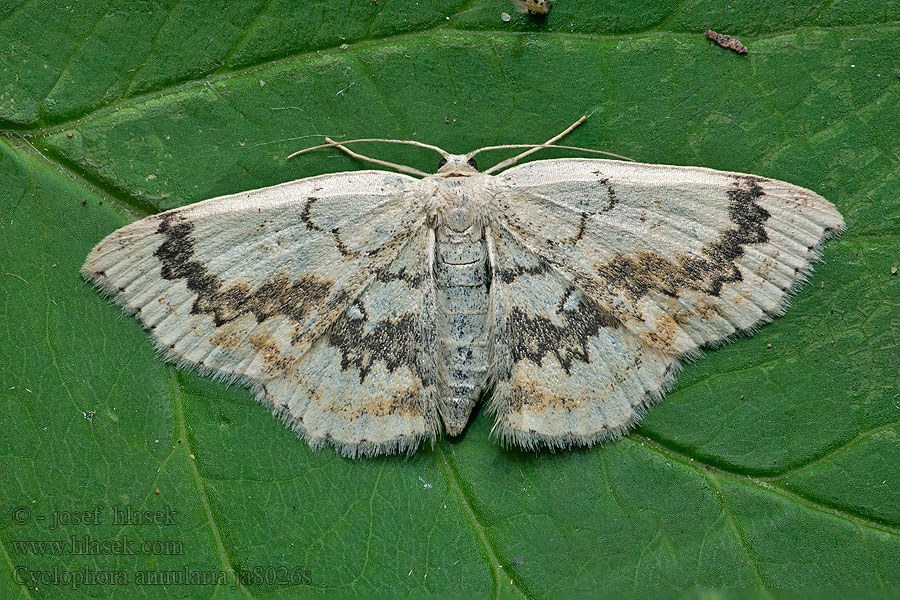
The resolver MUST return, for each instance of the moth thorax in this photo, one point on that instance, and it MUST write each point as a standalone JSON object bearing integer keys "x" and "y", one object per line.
{"x": 462, "y": 232}
{"x": 460, "y": 219}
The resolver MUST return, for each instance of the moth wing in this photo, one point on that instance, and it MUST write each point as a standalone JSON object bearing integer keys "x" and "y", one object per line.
{"x": 368, "y": 385}
{"x": 681, "y": 256}
{"x": 244, "y": 286}
{"x": 566, "y": 372}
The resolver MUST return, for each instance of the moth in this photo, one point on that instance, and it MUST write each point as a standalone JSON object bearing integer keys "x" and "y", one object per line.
{"x": 371, "y": 309}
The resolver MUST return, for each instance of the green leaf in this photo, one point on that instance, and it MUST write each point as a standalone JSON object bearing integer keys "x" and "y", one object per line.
{"x": 771, "y": 467}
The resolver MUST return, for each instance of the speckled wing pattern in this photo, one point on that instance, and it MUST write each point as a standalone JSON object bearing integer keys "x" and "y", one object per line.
{"x": 368, "y": 308}
{"x": 607, "y": 274}
{"x": 309, "y": 291}
{"x": 566, "y": 371}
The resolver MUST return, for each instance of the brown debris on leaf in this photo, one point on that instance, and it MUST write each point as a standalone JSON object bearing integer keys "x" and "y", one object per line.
{"x": 532, "y": 7}
{"x": 726, "y": 41}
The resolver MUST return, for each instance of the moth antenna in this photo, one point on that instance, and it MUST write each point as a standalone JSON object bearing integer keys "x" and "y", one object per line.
{"x": 332, "y": 144}
{"x": 402, "y": 168}
{"x": 535, "y": 147}
{"x": 515, "y": 159}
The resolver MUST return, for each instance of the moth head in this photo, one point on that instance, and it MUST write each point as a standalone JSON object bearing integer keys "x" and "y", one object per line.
{"x": 457, "y": 165}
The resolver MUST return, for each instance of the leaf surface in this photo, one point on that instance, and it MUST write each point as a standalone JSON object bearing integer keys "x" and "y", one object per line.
{"x": 772, "y": 466}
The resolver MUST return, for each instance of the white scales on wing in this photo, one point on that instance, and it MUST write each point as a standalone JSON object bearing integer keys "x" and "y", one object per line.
{"x": 370, "y": 309}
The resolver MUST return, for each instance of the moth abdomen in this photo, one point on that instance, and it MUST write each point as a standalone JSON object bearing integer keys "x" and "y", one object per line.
{"x": 462, "y": 301}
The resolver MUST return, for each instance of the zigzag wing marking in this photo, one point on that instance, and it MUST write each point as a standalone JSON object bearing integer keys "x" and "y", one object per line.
{"x": 566, "y": 372}
{"x": 368, "y": 386}
{"x": 242, "y": 286}
{"x": 681, "y": 256}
